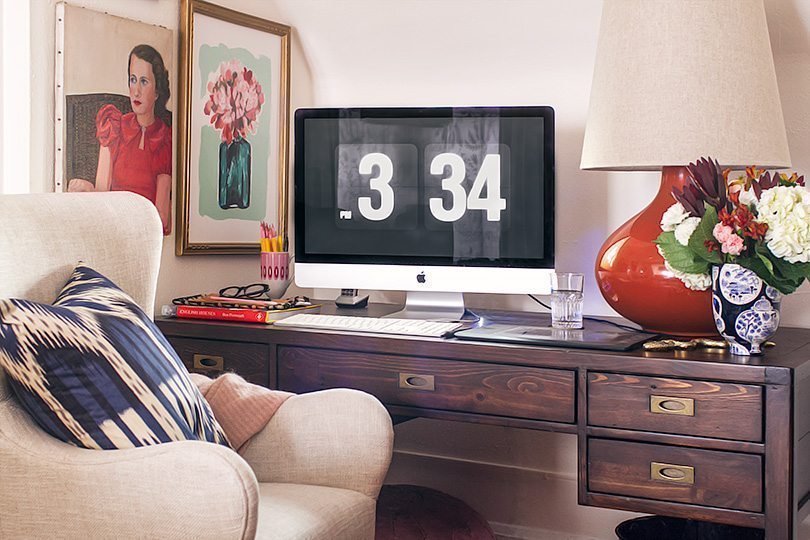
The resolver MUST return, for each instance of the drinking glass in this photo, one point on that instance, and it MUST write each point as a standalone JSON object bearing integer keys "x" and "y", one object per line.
{"x": 566, "y": 299}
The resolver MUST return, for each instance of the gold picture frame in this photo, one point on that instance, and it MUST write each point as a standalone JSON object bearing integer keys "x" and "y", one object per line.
{"x": 233, "y": 129}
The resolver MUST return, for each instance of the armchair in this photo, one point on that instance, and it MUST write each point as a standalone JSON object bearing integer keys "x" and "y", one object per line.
{"x": 313, "y": 472}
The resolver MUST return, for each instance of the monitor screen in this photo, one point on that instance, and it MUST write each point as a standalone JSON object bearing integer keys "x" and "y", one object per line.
{"x": 437, "y": 186}
{"x": 427, "y": 187}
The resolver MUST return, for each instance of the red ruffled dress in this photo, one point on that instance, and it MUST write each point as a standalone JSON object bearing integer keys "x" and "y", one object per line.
{"x": 134, "y": 169}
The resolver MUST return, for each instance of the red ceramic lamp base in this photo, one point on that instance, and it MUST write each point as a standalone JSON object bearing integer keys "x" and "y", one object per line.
{"x": 633, "y": 279}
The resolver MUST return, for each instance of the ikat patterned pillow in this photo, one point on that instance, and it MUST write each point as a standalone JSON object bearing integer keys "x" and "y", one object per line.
{"x": 94, "y": 371}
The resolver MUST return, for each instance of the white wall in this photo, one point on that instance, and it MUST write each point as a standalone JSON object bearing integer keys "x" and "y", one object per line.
{"x": 2, "y": 123}
{"x": 15, "y": 96}
{"x": 455, "y": 52}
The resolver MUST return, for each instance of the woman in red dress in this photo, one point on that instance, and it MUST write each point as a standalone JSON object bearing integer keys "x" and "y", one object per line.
{"x": 136, "y": 148}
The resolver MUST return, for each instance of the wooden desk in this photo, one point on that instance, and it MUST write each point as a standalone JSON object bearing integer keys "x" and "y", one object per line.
{"x": 698, "y": 434}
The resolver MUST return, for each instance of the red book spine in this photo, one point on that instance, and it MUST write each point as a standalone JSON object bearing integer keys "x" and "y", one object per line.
{"x": 222, "y": 314}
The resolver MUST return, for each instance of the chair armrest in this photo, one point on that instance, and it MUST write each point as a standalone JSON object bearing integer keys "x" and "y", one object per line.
{"x": 337, "y": 438}
{"x": 187, "y": 489}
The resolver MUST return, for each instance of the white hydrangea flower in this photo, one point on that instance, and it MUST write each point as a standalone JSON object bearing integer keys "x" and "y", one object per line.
{"x": 748, "y": 197}
{"x": 696, "y": 282}
{"x": 786, "y": 210}
{"x": 673, "y": 217}
{"x": 685, "y": 229}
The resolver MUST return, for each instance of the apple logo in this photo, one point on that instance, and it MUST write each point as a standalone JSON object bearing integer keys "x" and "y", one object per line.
{"x": 420, "y": 277}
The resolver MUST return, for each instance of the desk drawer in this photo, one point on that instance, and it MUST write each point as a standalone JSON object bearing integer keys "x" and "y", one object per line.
{"x": 685, "y": 407}
{"x": 668, "y": 473}
{"x": 479, "y": 388}
{"x": 212, "y": 358}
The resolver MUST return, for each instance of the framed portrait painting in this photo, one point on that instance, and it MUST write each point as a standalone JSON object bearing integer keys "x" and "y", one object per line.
{"x": 113, "y": 111}
{"x": 233, "y": 126}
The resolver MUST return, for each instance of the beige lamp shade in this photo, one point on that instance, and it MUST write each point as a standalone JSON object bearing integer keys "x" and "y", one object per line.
{"x": 679, "y": 79}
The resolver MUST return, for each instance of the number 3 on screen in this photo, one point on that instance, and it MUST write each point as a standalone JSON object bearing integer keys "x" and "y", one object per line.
{"x": 489, "y": 175}
{"x": 379, "y": 183}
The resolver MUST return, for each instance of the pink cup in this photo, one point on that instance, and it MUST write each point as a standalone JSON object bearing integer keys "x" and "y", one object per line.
{"x": 275, "y": 269}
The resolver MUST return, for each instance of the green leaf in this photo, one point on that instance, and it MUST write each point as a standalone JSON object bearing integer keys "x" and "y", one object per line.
{"x": 704, "y": 233}
{"x": 795, "y": 271}
{"x": 790, "y": 275}
{"x": 680, "y": 257}
{"x": 763, "y": 266}
{"x": 757, "y": 265}
{"x": 766, "y": 261}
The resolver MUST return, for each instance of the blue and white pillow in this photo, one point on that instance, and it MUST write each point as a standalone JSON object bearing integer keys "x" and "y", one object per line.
{"x": 94, "y": 371}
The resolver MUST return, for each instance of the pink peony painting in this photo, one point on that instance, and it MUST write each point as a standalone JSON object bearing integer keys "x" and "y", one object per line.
{"x": 235, "y": 100}
{"x": 233, "y": 133}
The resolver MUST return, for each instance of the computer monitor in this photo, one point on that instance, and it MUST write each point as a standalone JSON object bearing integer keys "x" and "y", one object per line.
{"x": 432, "y": 201}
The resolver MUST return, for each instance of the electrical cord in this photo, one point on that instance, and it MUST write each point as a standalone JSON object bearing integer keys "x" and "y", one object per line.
{"x": 588, "y": 318}
{"x": 540, "y": 302}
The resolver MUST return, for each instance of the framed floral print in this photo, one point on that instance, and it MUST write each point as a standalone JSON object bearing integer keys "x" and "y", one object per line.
{"x": 233, "y": 129}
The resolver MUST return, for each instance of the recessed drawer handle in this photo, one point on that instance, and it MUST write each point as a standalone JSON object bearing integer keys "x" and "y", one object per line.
{"x": 206, "y": 362}
{"x": 414, "y": 381}
{"x": 679, "y": 474}
{"x": 672, "y": 405}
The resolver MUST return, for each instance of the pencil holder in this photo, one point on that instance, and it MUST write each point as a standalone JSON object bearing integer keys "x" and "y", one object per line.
{"x": 275, "y": 271}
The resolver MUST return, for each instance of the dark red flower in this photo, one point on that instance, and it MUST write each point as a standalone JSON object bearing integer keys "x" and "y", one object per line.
{"x": 752, "y": 173}
{"x": 755, "y": 230}
{"x": 742, "y": 217}
{"x": 734, "y": 198}
{"x": 726, "y": 218}
{"x": 691, "y": 199}
{"x": 707, "y": 176}
{"x": 765, "y": 181}
{"x": 793, "y": 180}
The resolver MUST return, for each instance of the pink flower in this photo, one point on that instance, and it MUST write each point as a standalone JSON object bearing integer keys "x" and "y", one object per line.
{"x": 235, "y": 100}
{"x": 733, "y": 245}
{"x": 722, "y": 232}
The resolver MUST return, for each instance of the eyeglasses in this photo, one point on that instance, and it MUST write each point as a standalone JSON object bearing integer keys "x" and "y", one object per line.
{"x": 243, "y": 296}
{"x": 253, "y": 291}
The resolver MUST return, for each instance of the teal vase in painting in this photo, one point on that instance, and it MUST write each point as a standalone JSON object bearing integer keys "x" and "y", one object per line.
{"x": 234, "y": 174}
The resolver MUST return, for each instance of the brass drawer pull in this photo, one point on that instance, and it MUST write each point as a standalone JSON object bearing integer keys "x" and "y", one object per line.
{"x": 414, "y": 381}
{"x": 206, "y": 362}
{"x": 672, "y": 405}
{"x": 679, "y": 474}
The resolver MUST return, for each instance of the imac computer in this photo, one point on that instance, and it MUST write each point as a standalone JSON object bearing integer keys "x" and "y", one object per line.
{"x": 432, "y": 201}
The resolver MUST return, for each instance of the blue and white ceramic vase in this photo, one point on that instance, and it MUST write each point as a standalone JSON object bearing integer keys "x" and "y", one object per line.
{"x": 745, "y": 308}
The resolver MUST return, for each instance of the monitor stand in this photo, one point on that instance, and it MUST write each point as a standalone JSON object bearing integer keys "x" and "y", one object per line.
{"x": 432, "y": 306}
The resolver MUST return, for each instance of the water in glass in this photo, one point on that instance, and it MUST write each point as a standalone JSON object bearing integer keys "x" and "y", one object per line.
{"x": 566, "y": 309}
{"x": 566, "y": 299}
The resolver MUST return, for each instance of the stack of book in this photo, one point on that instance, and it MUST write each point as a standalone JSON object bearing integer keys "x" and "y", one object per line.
{"x": 241, "y": 310}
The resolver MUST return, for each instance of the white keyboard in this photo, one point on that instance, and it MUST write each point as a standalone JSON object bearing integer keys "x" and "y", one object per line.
{"x": 407, "y": 327}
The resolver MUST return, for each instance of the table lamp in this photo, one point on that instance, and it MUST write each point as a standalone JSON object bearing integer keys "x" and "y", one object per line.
{"x": 675, "y": 81}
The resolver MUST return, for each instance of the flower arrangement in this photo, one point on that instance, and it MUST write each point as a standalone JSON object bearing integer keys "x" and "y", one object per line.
{"x": 760, "y": 221}
{"x": 235, "y": 100}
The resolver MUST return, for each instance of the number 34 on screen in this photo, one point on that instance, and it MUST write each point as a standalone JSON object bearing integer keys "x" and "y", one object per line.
{"x": 450, "y": 169}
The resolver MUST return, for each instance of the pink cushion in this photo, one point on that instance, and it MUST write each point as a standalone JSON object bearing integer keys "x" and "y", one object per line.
{"x": 240, "y": 407}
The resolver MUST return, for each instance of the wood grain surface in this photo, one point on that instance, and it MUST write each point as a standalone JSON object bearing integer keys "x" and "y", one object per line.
{"x": 250, "y": 360}
{"x": 522, "y": 392}
{"x": 722, "y": 479}
{"x": 721, "y": 410}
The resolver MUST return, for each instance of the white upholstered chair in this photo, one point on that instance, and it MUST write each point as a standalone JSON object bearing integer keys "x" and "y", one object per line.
{"x": 313, "y": 472}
